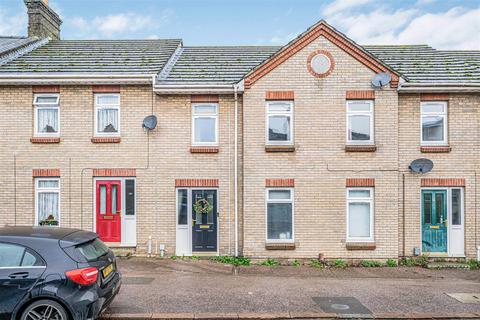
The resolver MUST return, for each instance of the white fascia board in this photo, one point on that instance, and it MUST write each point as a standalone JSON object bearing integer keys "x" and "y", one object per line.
{"x": 72, "y": 78}
{"x": 445, "y": 87}
{"x": 185, "y": 89}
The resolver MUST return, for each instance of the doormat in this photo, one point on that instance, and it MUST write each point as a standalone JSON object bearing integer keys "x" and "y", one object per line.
{"x": 341, "y": 305}
{"x": 137, "y": 280}
{"x": 466, "y": 297}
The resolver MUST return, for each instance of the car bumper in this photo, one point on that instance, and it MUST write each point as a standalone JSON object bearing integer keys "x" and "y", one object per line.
{"x": 107, "y": 295}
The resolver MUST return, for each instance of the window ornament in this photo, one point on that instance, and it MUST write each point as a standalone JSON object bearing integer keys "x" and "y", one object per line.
{"x": 320, "y": 63}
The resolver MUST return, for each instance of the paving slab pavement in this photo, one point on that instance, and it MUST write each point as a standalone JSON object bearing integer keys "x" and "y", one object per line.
{"x": 203, "y": 288}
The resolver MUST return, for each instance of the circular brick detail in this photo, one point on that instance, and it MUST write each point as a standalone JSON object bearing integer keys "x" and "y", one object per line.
{"x": 325, "y": 54}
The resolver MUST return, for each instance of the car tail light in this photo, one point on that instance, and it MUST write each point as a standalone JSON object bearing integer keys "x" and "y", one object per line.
{"x": 83, "y": 276}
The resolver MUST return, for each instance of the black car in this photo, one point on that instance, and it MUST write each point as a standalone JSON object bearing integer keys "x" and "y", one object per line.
{"x": 55, "y": 273}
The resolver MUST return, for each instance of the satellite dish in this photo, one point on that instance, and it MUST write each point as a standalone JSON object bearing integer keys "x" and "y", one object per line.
{"x": 421, "y": 165}
{"x": 381, "y": 79}
{"x": 150, "y": 122}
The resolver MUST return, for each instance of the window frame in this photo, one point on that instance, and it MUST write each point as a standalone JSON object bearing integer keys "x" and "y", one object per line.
{"x": 370, "y": 114}
{"x": 49, "y": 190}
{"x": 370, "y": 200}
{"x": 290, "y": 200}
{"x": 443, "y": 114}
{"x": 98, "y": 106}
{"x": 45, "y": 106}
{"x": 290, "y": 114}
{"x": 196, "y": 115}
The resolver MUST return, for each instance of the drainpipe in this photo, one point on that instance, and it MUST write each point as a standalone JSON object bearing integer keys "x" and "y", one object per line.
{"x": 235, "y": 175}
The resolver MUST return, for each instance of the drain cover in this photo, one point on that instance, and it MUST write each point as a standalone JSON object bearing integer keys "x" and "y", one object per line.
{"x": 341, "y": 305}
{"x": 466, "y": 297}
{"x": 137, "y": 280}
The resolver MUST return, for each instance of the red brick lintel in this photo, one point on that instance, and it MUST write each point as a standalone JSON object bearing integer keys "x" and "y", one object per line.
{"x": 196, "y": 183}
{"x": 279, "y": 95}
{"x": 438, "y": 182}
{"x": 360, "y": 94}
{"x": 116, "y": 172}
{"x": 280, "y": 183}
{"x": 434, "y": 97}
{"x": 360, "y": 182}
{"x": 199, "y": 98}
{"x": 46, "y": 89}
{"x": 46, "y": 172}
{"x": 106, "y": 89}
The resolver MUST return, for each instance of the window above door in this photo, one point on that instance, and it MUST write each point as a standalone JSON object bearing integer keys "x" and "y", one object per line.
{"x": 205, "y": 124}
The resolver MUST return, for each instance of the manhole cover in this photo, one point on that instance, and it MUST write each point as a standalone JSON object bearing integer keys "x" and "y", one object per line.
{"x": 137, "y": 280}
{"x": 341, "y": 305}
{"x": 466, "y": 297}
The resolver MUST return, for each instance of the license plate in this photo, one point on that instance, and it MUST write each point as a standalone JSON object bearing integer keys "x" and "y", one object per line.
{"x": 107, "y": 270}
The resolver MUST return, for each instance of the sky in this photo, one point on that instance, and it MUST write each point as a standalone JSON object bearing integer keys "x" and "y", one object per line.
{"x": 443, "y": 24}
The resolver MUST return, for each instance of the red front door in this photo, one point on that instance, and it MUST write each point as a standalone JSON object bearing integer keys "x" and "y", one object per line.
{"x": 109, "y": 223}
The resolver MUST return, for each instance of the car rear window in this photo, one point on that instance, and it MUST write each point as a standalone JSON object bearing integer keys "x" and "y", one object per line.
{"x": 93, "y": 250}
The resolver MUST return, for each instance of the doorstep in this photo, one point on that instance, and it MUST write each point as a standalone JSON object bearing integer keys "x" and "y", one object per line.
{"x": 205, "y": 254}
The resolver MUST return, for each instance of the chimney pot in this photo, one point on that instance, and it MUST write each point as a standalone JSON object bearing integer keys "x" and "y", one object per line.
{"x": 43, "y": 22}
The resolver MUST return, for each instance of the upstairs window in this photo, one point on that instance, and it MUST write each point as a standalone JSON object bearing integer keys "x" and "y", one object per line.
{"x": 360, "y": 122}
{"x": 434, "y": 123}
{"x": 205, "y": 124}
{"x": 280, "y": 122}
{"x": 47, "y": 114}
{"x": 107, "y": 114}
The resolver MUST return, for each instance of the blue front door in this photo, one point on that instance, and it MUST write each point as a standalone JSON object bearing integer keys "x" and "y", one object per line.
{"x": 434, "y": 221}
{"x": 204, "y": 220}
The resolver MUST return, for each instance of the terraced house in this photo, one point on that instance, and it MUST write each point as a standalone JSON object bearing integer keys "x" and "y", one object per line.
{"x": 289, "y": 151}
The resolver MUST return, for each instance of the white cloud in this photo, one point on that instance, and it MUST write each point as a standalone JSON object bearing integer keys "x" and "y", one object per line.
{"x": 424, "y": 2}
{"x": 283, "y": 39}
{"x": 457, "y": 28}
{"x": 12, "y": 25}
{"x": 121, "y": 23}
{"x": 338, "y": 6}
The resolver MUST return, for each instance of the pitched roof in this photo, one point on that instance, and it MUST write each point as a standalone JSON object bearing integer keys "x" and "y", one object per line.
{"x": 213, "y": 64}
{"x": 10, "y": 44}
{"x": 424, "y": 64}
{"x": 96, "y": 56}
{"x": 321, "y": 28}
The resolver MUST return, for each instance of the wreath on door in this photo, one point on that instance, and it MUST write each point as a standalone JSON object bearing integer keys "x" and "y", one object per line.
{"x": 202, "y": 206}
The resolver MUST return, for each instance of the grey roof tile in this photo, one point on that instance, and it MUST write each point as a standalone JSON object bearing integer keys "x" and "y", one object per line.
{"x": 424, "y": 64}
{"x": 9, "y": 44}
{"x": 96, "y": 56}
{"x": 215, "y": 64}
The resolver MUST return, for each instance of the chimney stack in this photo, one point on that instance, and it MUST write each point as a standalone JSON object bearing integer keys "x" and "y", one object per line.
{"x": 43, "y": 22}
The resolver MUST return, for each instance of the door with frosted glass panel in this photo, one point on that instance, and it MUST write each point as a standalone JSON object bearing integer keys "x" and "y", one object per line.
{"x": 434, "y": 221}
{"x": 108, "y": 207}
{"x": 204, "y": 220}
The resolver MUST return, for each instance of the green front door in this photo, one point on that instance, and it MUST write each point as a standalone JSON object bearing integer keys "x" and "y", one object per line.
{"x": 434, "y": 221}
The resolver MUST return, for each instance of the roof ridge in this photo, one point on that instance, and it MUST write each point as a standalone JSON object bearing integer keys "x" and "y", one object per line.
{"x": 163, "y": 74}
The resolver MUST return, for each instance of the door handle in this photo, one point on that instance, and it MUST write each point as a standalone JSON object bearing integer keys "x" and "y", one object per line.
{"x": 18, "y": 275}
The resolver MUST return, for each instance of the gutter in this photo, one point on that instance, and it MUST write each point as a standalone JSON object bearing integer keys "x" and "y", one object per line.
{"x": 439, "y": 87}
{"x": 73, "y": 78}
{"x": 195, "y": 88}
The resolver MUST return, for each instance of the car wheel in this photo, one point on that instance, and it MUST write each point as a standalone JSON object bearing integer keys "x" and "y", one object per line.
{"x": 44, "y": 310}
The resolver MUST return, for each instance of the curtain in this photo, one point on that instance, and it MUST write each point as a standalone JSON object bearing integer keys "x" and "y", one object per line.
{"x": 47, "y": 205}
{"x": 107, "y": 120}
{"x": 48, "y": 120}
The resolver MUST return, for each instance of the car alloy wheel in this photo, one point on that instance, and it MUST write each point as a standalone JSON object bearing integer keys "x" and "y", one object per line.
{"x": 44, "y": 310}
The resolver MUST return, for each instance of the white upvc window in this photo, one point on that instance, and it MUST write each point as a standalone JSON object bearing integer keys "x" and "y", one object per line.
{"x": 360, "y": 122}
{"x": 47, "y": 201}
{"x": 107, "y": 114}
{"x": 280, "y": 215}
{"x": 360, "y": 209}
{"x": 279, "y": 128}
{"x": 434, "y": 124}
{"x": 47, "y": 115}
{"x": 205, "y": 124}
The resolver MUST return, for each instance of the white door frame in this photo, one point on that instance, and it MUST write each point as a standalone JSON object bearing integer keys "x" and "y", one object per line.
{"x": 178, "y": 237}
{"x": 128, "y": 223}
{"x": 450, "y": 227}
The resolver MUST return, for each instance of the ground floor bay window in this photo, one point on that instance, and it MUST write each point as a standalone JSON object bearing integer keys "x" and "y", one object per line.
{"x": 279, "y": 214}
{"x": 360, "y": 215}
{"x": 47, "y": 201}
